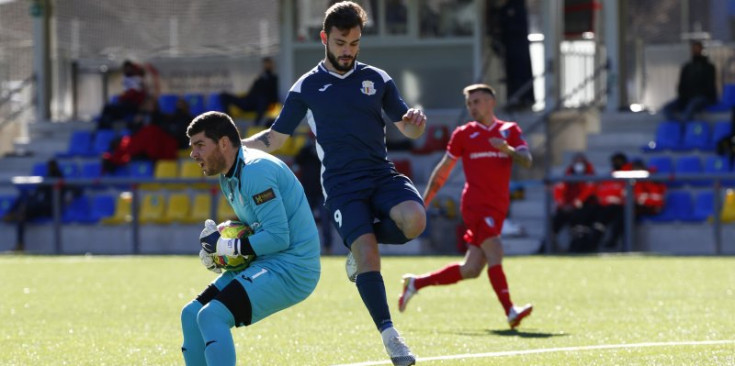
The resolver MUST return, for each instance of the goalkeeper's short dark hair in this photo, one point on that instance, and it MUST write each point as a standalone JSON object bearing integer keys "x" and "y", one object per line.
{"x": 215, "y": 125}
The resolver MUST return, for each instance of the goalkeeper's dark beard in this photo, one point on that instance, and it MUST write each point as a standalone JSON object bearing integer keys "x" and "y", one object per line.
{"x": 215, "y": 164}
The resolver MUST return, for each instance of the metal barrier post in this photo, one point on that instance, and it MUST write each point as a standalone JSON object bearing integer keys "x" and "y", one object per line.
{"x": 56, "y": 206}
{"x": 135, "y": 219}
{"x": 628, "y": 216}
{"x": 717, "y": 223}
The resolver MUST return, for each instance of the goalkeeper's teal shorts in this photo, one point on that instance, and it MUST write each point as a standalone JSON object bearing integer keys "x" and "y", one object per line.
{"x": 272, "y": 285}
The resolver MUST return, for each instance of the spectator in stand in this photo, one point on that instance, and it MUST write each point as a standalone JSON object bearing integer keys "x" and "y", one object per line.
{"x": 649, "y": 195}
{"x": 263, "y": 92}
{"x": 133, "y": 95}
{"x": 575, "y": 202}
{"x": 696, "y": 89}
{"x": 38, "y": 203}
{"x": 608, "y": 225}
{"x": 176, "y": 123}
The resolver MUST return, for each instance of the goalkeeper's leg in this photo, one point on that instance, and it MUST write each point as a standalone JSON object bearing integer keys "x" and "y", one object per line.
{"x": 193, "y": 346}
{"x": 230, "y": 307}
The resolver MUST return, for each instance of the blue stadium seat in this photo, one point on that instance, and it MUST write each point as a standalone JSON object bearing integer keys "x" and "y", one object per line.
{"x": 102, "y": 206}
{"x": 214, "y": 102}
{"x": 727, "y": 99}
{"x": 167, "y": 103}
{"x": 696, "y": 136}
{"x": 80, "y": 144}
{"x": 721, "y": 129}
{"x": 6, "y": 202}
{"x": 69, "y": 169}
{"x": 77, "y": 210}
{"x": 196, "y": 103}
{"x": 91, "y": 170}
{"x": 39, "y": 169}
{"x": 678, "y": 207}
{"x": 140, "y": 169}
{"x": 101, "y": 142}
{"x": 663, "y": 165}
{"x": 690, "y": 165}
{"x": 718, "y": 165}
{"x": 704, "y": 206}
{"x": 668, "y": 137}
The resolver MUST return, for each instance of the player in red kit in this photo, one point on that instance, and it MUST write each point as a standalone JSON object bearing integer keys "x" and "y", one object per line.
{"x": 488, "y": 147}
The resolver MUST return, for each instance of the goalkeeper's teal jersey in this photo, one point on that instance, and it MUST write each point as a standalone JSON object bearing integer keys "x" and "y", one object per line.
{"x": 262, "y": 189}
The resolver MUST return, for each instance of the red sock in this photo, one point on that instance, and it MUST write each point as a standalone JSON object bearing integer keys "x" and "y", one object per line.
{"x": 445, "y": 276}
{"x": 500, "y": 285}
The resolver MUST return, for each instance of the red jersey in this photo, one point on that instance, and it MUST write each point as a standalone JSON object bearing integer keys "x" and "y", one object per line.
{"x": 486, "y": 169}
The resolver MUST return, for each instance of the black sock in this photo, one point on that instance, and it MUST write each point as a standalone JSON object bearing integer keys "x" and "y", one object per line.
{"x": 372, "y": 291}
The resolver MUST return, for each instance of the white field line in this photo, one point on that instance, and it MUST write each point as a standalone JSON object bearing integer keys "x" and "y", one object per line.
{"x": 550, "y": 350}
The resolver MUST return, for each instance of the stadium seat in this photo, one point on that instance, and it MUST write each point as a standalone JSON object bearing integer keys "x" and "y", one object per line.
{"x": 80, "y": 144}
{"x": 224, "y": 211}
{"x": 177, "y": 209}
{"x": 690, "y": 165}
{"x": 661, "y": 164}
{"x": 201, "y": 209}
{"x": 70, "y": 169}
{"x": 252, "y": 130}
{"x": 164, "y": 169}
{"x": 152, "y": 208}
{"x": 719, "y": 165}
{"x": 704, "y": 206}
{"x": 292, "y": 146}
{"x": 77, "y": 211}
{"x": 101, "y": 142}
{"x": 678, "y": 207}
{"x": 190, "y": 169}
{"x": 720, "y": 130}
{"x": 696, "y": 136}
{"x": 728, "y": 207}
{"x": 91, "y": 170}
{"x": 6, "y": 202}
{"x": 196, "y": 103}
{"x": 668, "y": 137}
{"x": 214, "y": 102}
{"x": 167, "y": 103}
{"x": 39, "y": 169}
{"x": 727, "y": 100}
{"x": 436, "y": 139}
{"x": 103, "y": 206}
{"x": 123, "y": 210}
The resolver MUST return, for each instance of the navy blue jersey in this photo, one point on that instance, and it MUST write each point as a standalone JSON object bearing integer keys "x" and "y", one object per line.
{"x": 345, "y": 114}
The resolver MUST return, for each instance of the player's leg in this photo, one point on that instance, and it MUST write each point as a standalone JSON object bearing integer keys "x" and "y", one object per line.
{"x": 193, "y": 345}
{"x": 400, "y": 209}
{"x": 493, "y": 250}
{"x": 470, "y": 267}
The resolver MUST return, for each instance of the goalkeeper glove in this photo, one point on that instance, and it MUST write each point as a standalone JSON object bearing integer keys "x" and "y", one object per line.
{"x": 213, "y": 243}
{"x": 208, "y": 261}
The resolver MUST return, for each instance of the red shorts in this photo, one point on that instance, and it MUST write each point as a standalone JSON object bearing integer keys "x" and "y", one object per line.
{"x": 482, "y": 223}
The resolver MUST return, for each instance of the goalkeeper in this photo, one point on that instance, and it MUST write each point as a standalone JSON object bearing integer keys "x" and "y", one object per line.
{"x": 285, "y": 244}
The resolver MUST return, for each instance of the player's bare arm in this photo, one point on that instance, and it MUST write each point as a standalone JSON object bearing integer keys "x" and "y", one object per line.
{"x": 438, "y": 177}
{"x": 521, "y": 155}
{"x": 413, "y": 123}
{"x": 267, "y": 140}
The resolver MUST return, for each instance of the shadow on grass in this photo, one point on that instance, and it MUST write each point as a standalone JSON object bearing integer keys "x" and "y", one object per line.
{"x": 524, "y": 334}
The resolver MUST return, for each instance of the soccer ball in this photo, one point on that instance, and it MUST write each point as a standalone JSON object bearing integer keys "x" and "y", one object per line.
{"x": 231, "y": 230}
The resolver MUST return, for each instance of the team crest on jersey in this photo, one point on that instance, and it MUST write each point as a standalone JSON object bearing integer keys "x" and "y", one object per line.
{"x": 489, "y": 221}
{"x": 368, "y": 87}
{"x": 505, "y": 133}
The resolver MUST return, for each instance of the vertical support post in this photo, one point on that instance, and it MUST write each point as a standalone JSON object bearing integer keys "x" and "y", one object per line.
{"x": 717, "y": 222}
{"x": 56, "y": 206}
{"x": 628, "y": 216}
{"x": 40, "y": 10}
{"x": 135, "y": 204}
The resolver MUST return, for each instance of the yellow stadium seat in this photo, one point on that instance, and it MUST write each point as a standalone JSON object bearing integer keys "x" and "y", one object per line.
{"x": 224, "y": 211}
{"x": 252, "y": 130}
{"x": 184, "y": 153}
{"x": 164, "y": 169}
{"x": 292, "y": 146}
{"x": 274, "y": 109}
{"x": 123, "y": 210}
{"x": 152, "y": 208}
{"x": 728, "y": 207}
{"x": 200, "y": 209}
{"x": 191, "y": 170}
{"x": 177, "y": 209}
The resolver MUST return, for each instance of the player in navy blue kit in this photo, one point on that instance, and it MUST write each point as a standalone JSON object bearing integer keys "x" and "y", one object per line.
{"x": 343, "y": 101}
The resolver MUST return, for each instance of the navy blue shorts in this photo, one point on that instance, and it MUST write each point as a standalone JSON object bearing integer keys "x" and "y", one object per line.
{"x": 355, "y": 207}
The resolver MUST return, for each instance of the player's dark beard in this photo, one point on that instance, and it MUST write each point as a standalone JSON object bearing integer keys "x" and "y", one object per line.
{"x": 215, "y": 164}
{"x": 335, "y": 62}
